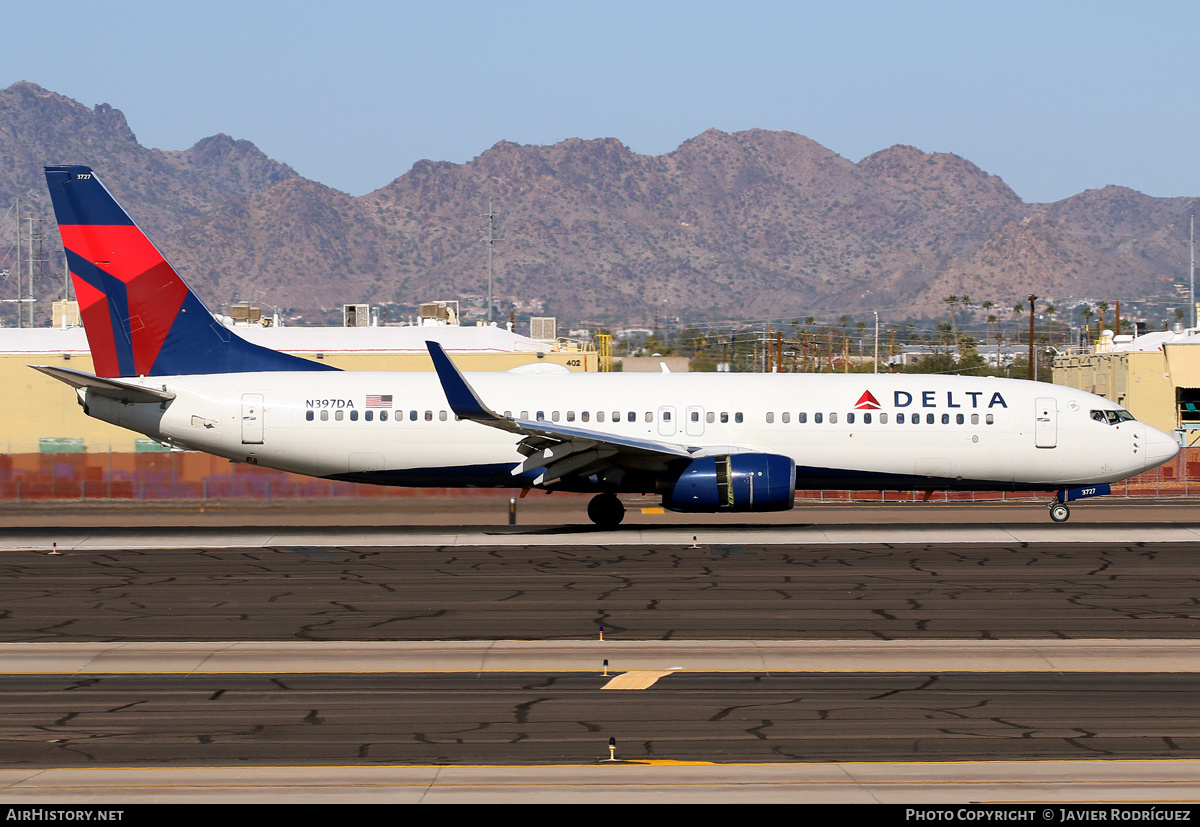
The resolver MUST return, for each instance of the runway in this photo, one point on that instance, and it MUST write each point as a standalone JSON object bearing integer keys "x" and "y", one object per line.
{"x": 719, "y": 591}
{"x": 345, "y": 667}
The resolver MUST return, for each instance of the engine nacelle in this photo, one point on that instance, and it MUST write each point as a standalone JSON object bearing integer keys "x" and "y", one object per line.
{"x": 734, "y": 482}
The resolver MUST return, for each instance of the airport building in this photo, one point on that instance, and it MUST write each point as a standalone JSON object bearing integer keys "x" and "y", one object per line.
{"x": 40, "y": 414}
{"x": 1156, "y": 377}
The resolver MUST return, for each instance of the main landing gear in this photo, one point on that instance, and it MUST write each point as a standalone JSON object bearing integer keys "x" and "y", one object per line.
{"x": 1059, "y": 512}
{"x": 606, "y": 511}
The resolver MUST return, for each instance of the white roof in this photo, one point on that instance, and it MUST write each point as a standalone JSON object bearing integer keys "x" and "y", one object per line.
{"x": 1155, "y": 341}
{"x": 307, "y": 339}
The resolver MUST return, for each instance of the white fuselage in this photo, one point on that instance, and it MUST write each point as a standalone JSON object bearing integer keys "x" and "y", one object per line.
{"x": 927, "y": 431}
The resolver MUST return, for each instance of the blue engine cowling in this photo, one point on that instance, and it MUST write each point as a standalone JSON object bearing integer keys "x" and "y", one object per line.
{"x": 734, "y": 482}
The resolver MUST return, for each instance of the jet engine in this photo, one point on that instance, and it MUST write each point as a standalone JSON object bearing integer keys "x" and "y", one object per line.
{"x": 733, "y": 482}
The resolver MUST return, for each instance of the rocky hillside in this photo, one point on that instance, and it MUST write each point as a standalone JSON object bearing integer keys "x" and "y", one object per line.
{"x": 751, "y": 225}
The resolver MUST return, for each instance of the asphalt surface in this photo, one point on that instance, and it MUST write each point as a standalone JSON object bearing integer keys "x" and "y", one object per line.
{"x": 721, "y": 591}
{"x": 878, "y": 583}
{"x": 537, "y": 719}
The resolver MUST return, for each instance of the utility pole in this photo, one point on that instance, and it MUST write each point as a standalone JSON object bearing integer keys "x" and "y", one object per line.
{"x": 876, "y": 312}
{"x": 1191, "y": 274}
{"x": 37, "y": 256}
{"x": 490, "y": 215}
{"x": 18, "y": 262}
{"x": 1032, "y": 299}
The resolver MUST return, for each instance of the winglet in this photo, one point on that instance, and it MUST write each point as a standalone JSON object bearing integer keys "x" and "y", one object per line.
{"x": 463, "y": 400}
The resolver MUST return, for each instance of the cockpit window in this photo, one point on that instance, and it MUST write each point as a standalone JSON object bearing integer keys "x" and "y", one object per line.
{"x": 1112, "y": 417}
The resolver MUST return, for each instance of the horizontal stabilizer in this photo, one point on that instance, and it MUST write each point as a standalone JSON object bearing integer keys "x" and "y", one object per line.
{"x": 111, "y": 388}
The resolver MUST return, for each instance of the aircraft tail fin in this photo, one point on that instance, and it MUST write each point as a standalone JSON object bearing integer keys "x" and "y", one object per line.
{"x": 140, "y": 317}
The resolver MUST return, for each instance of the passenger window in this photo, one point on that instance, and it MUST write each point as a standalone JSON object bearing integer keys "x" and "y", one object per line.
{"x": 554, "y": 416}
{"x": 883, "y": 419}
{"x": 802, "y": 417}
{"x": 524, "y": 414}
{"x": 338, "y": 415}
{"x": 974, "y": 419}
{"x": 649, "y": 416}
{"x": 899, "y": 419}
{"x": 787, "y": 417}
{"x": 849, "y": 419}
{"x": 412, "y": 416}
{"x": 570, "y": 416}
{"x": 324, "y": 416}
{"x": 817, "y": 418}
{"x": 989, "y": 419}
{"x": 368, "y": 415}
{"x": 959, "y": 419}
{"x": 308, "y": 415}
{"x": 541, "y": 416}
{"x": 946, "y": 419}
{"x": 737, "y": 417}
{"x": 354, "y": 416}
{"x": 724, "y": 417}
{"x": 585, "y": 416}
{"x": 866, "y": 419}
{"x": 929, "y": 420}
{"x": 383, "y": 416}
{"x": 710, "y": 417}
{"x": 599, "y": 416}
{"x": 429, "y": 416}
{"x": 442, "y": 415}
{"x": 631, "y": 417}
{"x": 770, "y": 417}
{"x": 666, "y": 415}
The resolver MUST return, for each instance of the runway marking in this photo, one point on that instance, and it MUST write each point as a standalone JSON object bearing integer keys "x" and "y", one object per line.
{"x": 636, "y": 680}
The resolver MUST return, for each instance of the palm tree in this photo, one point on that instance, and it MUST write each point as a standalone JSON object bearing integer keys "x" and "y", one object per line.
{"x": 1050, "y": 311}
{"x": 1087, "y": 314}
{"x": 1018, "y": 311}
{"x": 988, "y": 318}
{"x": 953, "y": 302}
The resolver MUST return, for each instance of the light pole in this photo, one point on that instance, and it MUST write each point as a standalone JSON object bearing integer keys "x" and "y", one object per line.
{"x": 876, "y": 312}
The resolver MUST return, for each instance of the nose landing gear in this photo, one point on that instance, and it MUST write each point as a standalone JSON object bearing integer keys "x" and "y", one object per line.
{"x": 1059, "y": 512}
{"x": 606, "y": 511}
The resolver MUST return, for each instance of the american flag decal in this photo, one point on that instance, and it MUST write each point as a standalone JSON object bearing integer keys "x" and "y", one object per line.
{"x": 375, "y": 400}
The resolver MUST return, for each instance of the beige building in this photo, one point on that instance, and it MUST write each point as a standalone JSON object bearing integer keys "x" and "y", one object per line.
{"x": 40, "y": 414}
{"x": 1155, "y": 377}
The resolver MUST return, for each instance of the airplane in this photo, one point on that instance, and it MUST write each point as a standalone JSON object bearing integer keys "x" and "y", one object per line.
{"x": 166, "y": 367}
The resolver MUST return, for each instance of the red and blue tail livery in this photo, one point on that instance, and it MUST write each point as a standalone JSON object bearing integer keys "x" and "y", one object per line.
{"x": 141, "y": 318}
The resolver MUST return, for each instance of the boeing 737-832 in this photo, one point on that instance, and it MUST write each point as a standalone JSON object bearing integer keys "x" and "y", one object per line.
{"x": 167, "y": 368}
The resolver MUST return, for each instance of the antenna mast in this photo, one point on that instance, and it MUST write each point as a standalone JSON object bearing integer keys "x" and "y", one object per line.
{"x": 490, "y": 215}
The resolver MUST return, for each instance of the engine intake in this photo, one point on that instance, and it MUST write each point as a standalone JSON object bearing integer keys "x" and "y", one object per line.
{"x": 734, "y": 482}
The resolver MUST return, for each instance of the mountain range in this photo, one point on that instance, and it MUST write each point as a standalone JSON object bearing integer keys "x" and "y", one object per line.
{"x": 749, "y": 225}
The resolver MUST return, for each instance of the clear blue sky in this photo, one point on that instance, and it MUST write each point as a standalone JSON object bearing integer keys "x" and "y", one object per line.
{"x": 1054, "y": 97}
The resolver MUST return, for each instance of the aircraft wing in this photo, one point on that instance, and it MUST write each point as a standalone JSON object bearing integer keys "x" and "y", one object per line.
{"x": 562, "y": 450}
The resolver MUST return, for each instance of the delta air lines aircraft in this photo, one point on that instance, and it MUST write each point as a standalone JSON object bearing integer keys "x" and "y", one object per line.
{"x": 167, "y": 368}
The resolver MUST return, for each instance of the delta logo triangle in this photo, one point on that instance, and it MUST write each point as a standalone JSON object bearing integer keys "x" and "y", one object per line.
{"x": 867, "y": 402}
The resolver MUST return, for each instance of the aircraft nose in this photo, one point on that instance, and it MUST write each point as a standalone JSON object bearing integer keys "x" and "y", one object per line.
{"x": 1160, "y": 448}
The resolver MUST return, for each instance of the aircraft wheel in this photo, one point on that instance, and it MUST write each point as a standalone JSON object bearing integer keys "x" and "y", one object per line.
{"x": 1060, "y": 513}
{"x": 606, "y": 511}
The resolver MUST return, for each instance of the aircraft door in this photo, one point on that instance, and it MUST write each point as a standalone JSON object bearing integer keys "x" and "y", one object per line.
{"x": 694, "y": 421}
{"x": 252, "y": 418}
{"x": 666, "y": 421}
{"x": 1045, "y": 422}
